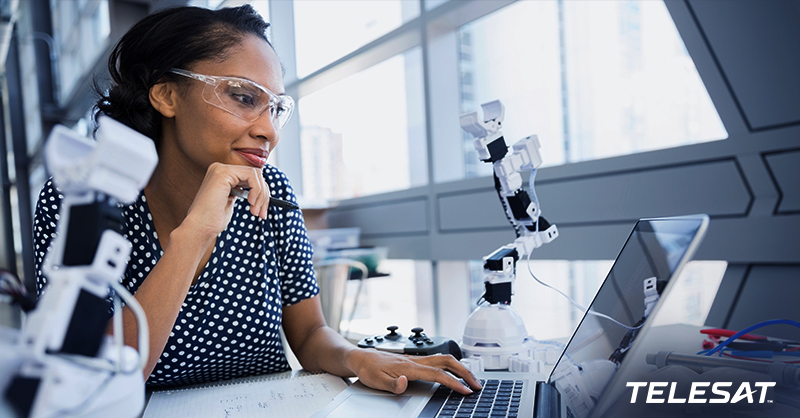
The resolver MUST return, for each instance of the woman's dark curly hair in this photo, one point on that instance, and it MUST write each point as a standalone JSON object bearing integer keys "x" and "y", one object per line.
{"x": 171, "y": 38}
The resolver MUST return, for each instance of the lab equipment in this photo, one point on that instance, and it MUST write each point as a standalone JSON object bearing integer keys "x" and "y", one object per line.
{"x": 62, "y": 363}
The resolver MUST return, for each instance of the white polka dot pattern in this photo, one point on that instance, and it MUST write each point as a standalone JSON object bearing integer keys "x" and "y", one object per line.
{"x": 229, "y": 323}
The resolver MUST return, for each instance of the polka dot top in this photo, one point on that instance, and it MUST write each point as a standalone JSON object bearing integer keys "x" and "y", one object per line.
{"x": 229, "y": 323}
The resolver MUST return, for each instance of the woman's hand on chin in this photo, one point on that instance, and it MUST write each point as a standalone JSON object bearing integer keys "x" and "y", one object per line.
{"x": 212, "y": 207}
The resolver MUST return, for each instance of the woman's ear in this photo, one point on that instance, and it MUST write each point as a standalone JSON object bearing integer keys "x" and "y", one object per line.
{"x": 163, "y": 97}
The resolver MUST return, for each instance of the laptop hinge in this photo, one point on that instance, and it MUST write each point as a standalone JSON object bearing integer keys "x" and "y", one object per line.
{"x": 548, "y": 401}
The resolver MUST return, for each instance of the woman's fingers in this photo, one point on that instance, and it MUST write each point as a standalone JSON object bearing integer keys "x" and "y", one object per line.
{"x": 392, "y": 372}
{"x": 259, "y": 191}
{"x": 399, "y": 385}
{"x": 212, "y": 207}
{"x": 250, "y": 178}
{"x": 395, "y": 378}
{"x": 449, "y": 363}
{"x": 435, "y": 374}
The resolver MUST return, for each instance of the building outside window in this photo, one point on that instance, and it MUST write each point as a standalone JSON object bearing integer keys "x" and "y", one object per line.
{"x": 328, "y": 30}
{"x": 365, "y": 134}
{"x": 593, "y": 79}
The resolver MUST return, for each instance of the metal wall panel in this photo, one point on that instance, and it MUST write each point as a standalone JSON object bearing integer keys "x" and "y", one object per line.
{"x": 472, "y": 245}
{"x": 727, "y": 294}
{"x": 595, "y": 203}
{"x": 785, "y": 167}
{"x": 714, "y": 187}
{"x": 404, "y": 217}
{"x": 470, "y": 210}
{"x": 760, "y": 239}
{"x": 756, "y": 44}
{"x": 705, "y": 62}
{"x": 401, "y": 247}
{"x": 769, "y": 292}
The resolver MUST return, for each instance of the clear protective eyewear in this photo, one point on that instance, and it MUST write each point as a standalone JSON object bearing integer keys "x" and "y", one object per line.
{"x": 243, "y": 98}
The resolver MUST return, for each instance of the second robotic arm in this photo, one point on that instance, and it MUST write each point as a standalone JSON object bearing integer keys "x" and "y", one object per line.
{"x": 63, "y": 363}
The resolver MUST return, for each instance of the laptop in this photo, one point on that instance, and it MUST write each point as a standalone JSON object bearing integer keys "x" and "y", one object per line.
{"x": 654, "y": 254}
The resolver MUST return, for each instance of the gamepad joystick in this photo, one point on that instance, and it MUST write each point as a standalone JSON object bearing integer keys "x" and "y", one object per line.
{"x": 393, "y": 334}
{"x": 417, "y": 344}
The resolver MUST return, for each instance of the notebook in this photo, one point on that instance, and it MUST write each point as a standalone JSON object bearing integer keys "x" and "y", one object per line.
{"x": 289, "y": 394}
{"x": 656, "y": 248}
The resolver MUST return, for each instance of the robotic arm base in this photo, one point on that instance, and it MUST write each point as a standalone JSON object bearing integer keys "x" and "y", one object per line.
{"x": 496, "y": 333}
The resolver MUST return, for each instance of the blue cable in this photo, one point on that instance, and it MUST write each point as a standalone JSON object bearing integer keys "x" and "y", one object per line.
{"x": 722, "y": 345}
{"x": 753, "y": 354}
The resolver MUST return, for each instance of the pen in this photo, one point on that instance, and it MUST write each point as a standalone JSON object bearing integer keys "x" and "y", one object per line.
{"x": 240, "y": 192}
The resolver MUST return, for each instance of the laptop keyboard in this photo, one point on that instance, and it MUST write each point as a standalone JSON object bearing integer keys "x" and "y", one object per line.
{"x": 497, "y": 399}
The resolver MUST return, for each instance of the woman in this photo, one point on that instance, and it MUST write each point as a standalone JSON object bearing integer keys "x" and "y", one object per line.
{"x": 217, "y": 275}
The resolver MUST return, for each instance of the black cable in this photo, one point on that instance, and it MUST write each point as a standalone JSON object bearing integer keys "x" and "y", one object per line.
{"x": 619, "y": 353}
{"x": 12, "y": 286}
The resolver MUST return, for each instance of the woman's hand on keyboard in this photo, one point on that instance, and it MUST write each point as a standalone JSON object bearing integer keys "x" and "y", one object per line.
{"x": 391, "y": 372}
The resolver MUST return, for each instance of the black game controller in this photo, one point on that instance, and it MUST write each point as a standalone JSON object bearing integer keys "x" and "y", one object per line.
{"x": 418, "y": 344}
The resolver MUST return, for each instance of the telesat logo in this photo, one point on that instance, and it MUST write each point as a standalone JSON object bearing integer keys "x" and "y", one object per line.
{"x": 720, "y": 392}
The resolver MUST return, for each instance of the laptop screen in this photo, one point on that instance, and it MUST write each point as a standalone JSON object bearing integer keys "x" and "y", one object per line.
{"x": 653, "y": 254}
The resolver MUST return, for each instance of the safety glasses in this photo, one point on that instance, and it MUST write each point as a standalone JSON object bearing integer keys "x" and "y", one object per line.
{"x": 243, "y": 98}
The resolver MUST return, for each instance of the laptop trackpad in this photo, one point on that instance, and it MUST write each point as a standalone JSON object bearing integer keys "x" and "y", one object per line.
{"x": 359, "y": 401}
{"x": 357, "y": 405}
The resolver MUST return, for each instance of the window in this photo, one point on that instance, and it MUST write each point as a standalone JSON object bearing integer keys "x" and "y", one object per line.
{"x": 81, "y": 30}
{"x": 365, "y": 134}
{"x": 592, "y": 79}
{"x": 524, "y": 74}
{"x": 328, "y": 30}
{"x": 692, "y": 295}
{"x": 578, "y": 279}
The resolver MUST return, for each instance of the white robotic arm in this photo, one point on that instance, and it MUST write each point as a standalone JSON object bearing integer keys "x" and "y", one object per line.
{"x": 521, "y": 208}
{"x": 494, "y": 332}
{"x": 63, "y": 362}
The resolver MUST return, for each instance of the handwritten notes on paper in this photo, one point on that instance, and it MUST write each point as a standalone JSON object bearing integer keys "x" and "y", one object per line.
{"x": 281, "y": 395}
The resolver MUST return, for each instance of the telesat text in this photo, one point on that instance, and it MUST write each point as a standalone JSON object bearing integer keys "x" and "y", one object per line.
{"x": 720, "y": 392}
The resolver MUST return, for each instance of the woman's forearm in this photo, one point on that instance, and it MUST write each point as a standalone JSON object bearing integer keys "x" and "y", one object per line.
{"x": 164, "y": 291}
{"x": 326, "y": 350}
